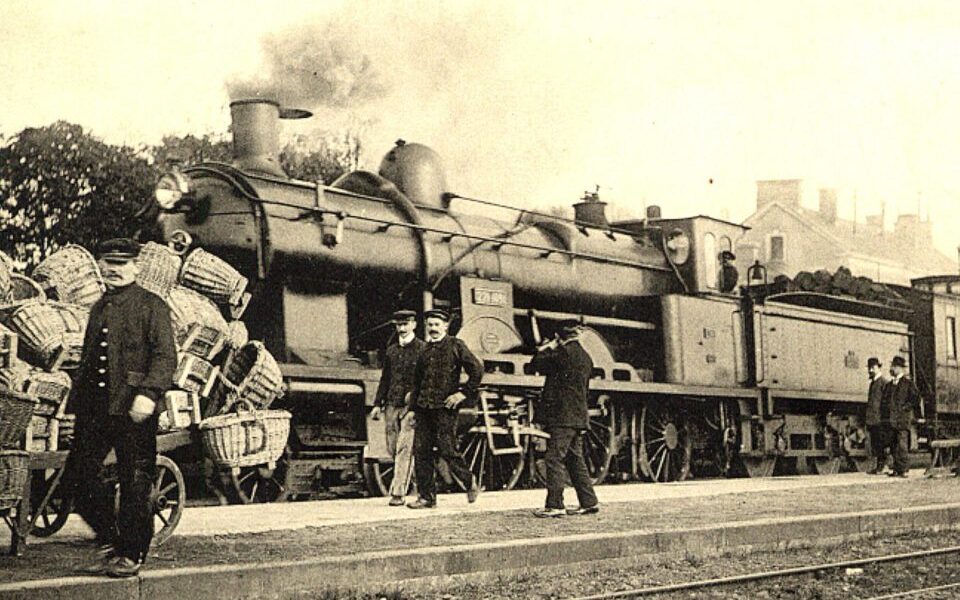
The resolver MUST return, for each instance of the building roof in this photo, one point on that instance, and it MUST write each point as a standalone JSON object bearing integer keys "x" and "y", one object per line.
{"x": 869, "y": 241}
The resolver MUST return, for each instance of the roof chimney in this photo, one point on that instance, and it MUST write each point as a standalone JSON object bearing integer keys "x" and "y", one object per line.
{"x": 784, "y": 191}
{"x": 828, "y": 205}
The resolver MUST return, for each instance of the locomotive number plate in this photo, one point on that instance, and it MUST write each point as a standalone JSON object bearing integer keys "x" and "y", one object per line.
{"x": 487, "y": 297}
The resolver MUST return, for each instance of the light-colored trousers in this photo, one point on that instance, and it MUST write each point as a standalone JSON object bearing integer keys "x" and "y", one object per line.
{"x": 399, "y": 424}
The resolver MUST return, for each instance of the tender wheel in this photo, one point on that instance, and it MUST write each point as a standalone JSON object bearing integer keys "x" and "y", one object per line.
{"x": 260, "y": 484}
{"x": 493, "y": 471}
{"x": 665, "y": 443}
{"x": 169, "y": 497}
{"x": 57, "y": 509}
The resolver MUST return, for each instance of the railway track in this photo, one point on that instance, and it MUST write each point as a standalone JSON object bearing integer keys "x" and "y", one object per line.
{"x": 762, "y": 575}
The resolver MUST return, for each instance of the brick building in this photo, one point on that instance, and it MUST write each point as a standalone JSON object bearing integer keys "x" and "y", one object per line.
{"x": 789, "y": 238}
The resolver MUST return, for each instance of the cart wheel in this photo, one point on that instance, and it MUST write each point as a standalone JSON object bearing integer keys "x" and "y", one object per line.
{"x": 54, "y": 514}
{"x": 260, "y": 483}
{"x": 169, "y": 496}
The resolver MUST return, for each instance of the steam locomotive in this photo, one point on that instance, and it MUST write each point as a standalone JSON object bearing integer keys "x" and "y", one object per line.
{"x": 690, "y": 379}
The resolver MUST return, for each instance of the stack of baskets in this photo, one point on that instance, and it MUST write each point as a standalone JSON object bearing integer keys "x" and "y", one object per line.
{"x": 42, "y": 322}
{"x": 16, "y": 409}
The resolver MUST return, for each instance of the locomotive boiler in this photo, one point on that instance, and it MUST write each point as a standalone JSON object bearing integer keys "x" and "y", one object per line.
{"x": 689, "y": 379}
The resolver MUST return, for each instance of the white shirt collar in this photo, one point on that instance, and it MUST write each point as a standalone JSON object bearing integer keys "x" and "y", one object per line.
{"x": 403, "y": 340}
{"x": 439, "y": 339}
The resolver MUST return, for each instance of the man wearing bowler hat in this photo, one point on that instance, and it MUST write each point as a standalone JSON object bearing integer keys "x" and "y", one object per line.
{"x": 877, "y": 425}
{"x": 437, "y": 395}
{"x": 393, "y": 393}
{"x": 127, "y": 363}
{"x": 903, "y": 397}
{"x": 563, "y": 413}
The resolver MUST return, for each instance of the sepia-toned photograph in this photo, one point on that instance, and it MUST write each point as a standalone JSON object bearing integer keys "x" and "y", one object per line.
{"x": 479, "y": 299}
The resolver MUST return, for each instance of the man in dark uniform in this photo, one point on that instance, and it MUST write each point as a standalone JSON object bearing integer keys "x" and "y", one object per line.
{"x": 127, "y": 363}
{"x": 878, "y": 428}
{"x": 728, "y": 272}
{"x": 563, "y": 413}
{"x": 903, "y": 397}
{"x": 393, "y": 394}
{"x": 437, "y": 395}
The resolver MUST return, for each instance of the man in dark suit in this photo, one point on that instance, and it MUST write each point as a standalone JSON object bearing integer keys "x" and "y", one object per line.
{"x": 437, "y": 395}
{"x": 127, "y": 363}
{"x": 393, "y": 393}
{"x": 563, "y": 413}
{"x": 878, "y": 428}
{"x": 903, "y": 397}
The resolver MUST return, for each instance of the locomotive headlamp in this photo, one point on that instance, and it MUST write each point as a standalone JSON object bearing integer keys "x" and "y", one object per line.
{"x": 678, "y": 245}
{"x": 171, "y": 188}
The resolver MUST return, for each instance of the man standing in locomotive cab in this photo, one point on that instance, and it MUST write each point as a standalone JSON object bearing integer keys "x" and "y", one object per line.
{"x": 436, "y": 399}
{"x": 127, "y": 363}
{"x": 393, "y": 395}
{"x": 903, "y": 397}
{"x": 563, "y": 413}
{"x": 728, "y": 272}
{"x": 878, "y": 428}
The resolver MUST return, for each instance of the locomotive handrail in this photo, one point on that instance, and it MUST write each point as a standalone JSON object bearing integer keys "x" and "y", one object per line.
{"x": 585, "y": 319}
{"x": 308, "y": 210}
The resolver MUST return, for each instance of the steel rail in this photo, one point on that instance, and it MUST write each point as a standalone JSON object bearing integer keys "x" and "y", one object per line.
{"x": 935, "y": 588}
{"x": 703, "y": 583}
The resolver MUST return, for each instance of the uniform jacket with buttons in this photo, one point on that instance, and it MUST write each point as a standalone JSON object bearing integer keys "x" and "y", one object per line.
{"x": 874, "y": 398}
{"x": 563, "y": 402}
{"x": 399, "y": 365}
{"x": 437, "y": 374}
{"x": 904, "y": 398}
{"x": 139, "y": 353}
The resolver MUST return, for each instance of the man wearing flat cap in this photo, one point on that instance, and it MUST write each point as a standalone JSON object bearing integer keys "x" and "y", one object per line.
{"x": 877, "y": 424}
{"x": 563, "y": 414}
{"x": 436, "y": 399}
{"x": 127, "y": 363}
{"x": 903, "y": 397}
{"x": 393, "y": 393}
{"x": 728, "y": 272}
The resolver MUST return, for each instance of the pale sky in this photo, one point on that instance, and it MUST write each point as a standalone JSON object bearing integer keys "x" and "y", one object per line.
{"x": 532, "y": 103}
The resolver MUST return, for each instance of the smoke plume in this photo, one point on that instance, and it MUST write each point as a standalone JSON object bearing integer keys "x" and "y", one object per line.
{"x": 313, "y": 66}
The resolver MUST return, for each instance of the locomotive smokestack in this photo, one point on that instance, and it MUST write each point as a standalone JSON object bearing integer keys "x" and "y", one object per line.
{"x": 591, "y": 210}
{"x": 256, "y": 134}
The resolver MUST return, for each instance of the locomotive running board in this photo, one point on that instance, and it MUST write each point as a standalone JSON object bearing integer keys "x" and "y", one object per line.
{"x": 634, "y": 387}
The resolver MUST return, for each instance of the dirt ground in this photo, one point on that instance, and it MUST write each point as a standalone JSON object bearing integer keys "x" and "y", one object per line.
{"x": 57, "y": 559}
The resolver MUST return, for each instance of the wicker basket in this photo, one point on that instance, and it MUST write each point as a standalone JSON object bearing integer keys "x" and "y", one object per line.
{"x": 22, "y": 291}
{"x": 213, "y": 277}
{"x": 14, "y": 470}
{"x": 188, "y": 307}
{"x": 204, "y": 341}
{"x": 8, "y": 347}
{"x": 16, "y": 409}
{"x": 50, "y": 389}
{"x": 15, "y": 377}
{"x": 246, "y": 438}
{"x": 194, "y": 374}
{"x": 51, "y": 332}
{"x": 65, "y": 431}
{"x": 253, "y": 375}
{"x": 159, "y": 268}
{"x": 237, "y": 335}
{"x": 71, "y": 275}
{"x": 4, "y": 281}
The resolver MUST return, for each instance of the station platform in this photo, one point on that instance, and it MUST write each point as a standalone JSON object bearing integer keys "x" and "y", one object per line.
{"x": 262, "y": 550}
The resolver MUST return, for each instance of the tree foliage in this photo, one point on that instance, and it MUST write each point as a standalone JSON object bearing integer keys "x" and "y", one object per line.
{"x": 59, "y": 184}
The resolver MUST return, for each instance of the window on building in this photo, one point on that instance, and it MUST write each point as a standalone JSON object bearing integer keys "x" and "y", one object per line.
{"x": 951, "y": 337}
{"x": 777, "y": 250}
{"x": 710, "y": 259}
